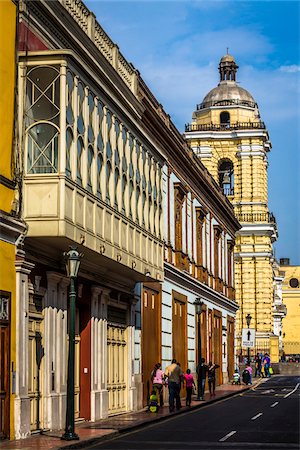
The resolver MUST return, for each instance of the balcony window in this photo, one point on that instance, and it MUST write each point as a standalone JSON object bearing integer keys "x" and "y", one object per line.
{"x": 69, "y": 143}
{"x": 90, "y": 166}
{"x": 80, "y": 147}
{"x": 42, "y": 119}
{"x": 42, "y": 151}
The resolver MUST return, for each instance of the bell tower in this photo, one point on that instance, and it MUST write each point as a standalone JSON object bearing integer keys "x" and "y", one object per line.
{"x": 227, "y": 134}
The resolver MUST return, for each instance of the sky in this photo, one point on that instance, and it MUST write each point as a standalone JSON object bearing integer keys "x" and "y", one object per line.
{"x": 177, "y": 46}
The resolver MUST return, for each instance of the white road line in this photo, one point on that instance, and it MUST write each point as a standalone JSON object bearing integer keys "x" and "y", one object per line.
{"x": 227, "y": 436}
{"x": 296, "y": 387}
{"x": 257, "y": 415}
{"x": 274, "y": 404}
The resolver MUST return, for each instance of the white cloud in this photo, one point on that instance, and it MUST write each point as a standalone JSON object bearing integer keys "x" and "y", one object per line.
{"x": 290, "y": 69}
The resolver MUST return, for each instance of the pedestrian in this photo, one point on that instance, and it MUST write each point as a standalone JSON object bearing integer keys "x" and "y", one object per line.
{"x": 174, "y": 374}
{"x": 267, "y": 363}
{"x": 258, "y": 363}
{"x": 212, "y": 377}
{"x": 249, "y": 369}
{"x": 189, "y": 383}
{"x": 201, "y": 374}
{"x": 157, "y": 382}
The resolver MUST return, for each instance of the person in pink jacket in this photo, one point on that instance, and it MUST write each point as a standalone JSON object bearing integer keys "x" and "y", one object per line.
{"x": 157, "y": 382}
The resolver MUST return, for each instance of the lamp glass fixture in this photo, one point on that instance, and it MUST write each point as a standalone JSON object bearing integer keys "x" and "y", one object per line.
{"x": 73, "y": 258}
{"x": 248, "y": 320}
{"x": 198, "y": 305}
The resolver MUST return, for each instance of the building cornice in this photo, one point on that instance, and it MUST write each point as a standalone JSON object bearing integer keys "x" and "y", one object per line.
{"x": 11, "y": 228}
{"x": 226, "y": 135}
{"x": 184, "y": 280}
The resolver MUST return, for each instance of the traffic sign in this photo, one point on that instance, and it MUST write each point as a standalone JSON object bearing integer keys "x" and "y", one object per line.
{"x": 248, "y": 337}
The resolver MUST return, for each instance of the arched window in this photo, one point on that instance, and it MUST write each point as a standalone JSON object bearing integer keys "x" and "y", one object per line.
{"x": 42, "y": 152}
{"x": 90, "y": 167}
{"x": 225, "y": 119}
{"x": 80, "y": 147}
{"x": 42, "y": 116}
{"x": 226, "y": 177}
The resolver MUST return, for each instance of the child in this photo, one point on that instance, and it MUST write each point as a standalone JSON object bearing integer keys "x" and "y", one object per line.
{"x": 153, "y": 403}
{"x": 236, "y": 377}
{"x": 189, "y": 383}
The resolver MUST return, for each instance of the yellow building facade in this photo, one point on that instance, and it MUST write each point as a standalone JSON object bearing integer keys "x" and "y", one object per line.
{"x": 291, "y": 298}
{"x": 10, "y": 227}
{"x": 227, "y": 134}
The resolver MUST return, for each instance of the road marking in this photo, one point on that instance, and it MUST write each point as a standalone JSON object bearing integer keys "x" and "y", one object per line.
{"x": 227, "y": 436}
{"x": 274, "y": 404}
{"x": 296, "y": 387}
{"x": 268, "y": 391}
{"x": 257, "y": 415}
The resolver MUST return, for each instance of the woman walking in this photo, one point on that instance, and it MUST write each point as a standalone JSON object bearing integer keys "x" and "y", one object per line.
{"x": 189, "y": 383}
{"x": 212, "y": 377}
{"x": 157, "y": 382}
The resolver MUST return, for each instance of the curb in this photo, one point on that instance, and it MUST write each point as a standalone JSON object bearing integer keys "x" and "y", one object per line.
{"x": 94, "y": 440}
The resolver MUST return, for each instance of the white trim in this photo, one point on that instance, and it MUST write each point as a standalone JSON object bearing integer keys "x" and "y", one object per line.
{"x": 253, "y": 255}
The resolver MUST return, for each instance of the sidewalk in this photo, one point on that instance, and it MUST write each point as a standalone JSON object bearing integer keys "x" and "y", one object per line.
{"x": 93, "y": 432}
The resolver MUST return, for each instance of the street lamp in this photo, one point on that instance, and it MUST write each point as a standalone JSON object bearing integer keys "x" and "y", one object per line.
{"x": 198, "y": 308}
{"x": 72, "y": 258}
{"x": 248, "y": 320}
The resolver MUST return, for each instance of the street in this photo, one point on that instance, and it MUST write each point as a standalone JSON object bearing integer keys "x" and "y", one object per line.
{"x": 265, "y": 417}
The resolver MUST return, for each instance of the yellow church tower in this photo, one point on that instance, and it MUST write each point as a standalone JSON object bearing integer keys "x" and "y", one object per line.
{"x": 227, "y": 134}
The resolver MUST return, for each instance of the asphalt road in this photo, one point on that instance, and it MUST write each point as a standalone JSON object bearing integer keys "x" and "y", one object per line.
{"x": 266, "y": 417}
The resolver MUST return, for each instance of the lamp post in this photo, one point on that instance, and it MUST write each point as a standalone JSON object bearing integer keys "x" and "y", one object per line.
{"x": 198, "y": 307}
{"x": 72, "y": 265}
{"x": 248, "y": 321}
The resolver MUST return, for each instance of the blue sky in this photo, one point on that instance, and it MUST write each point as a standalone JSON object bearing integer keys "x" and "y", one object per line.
{"x": 177, "y": 46}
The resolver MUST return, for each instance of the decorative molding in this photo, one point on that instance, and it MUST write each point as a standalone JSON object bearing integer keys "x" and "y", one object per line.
{"x": 11, "y": 228}
{"x": 10, "y": 184}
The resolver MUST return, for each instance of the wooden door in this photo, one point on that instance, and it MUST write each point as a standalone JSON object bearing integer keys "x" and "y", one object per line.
{"x": 230, "y": 347}
{"x": 210, "y": 336}
{"x": 85, "y": 361}
{"x": 4, "y": 364}
{"x": 4, "y": 381}
{"x": 151, "y": 331}
{"x": 77, "y": 367}
{"x": 117, "y": 368}
{"x": 179, "y": 331}
{"x": 217, "y": 357}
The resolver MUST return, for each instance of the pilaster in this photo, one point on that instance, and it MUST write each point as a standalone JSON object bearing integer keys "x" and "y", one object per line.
{"x": 22, "y": 402}
{"x": 55, "y": 334}
{"x": 99, "y": 393}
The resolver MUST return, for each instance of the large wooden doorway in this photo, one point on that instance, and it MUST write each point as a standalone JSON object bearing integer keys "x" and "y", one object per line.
{"x": 35, "y": 359}
{"x": 179, "y": 329}
{"x": 230, "y": 347}
{"x": 151, "y": 333}
{"x": 117, "y": 360}
{"x": 217, "y": 342}
{"x": 4, "y": 363}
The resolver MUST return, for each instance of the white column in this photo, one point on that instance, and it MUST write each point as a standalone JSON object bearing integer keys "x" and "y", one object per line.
{"x": 22, "y": 402}
{"x": 55, "y": 341}
{"x": 99, "y": 393}
{"x": 132, "y": 391}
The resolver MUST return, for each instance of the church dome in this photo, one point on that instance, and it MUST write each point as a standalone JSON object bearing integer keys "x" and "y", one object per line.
{"x": 228, "y": 92}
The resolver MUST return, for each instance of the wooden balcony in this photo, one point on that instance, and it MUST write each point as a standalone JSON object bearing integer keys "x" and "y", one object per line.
{"x": 58, "y": 212}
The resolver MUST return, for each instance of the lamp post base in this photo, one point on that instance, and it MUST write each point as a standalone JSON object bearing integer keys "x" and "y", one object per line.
{"x": 69, "y": 436}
